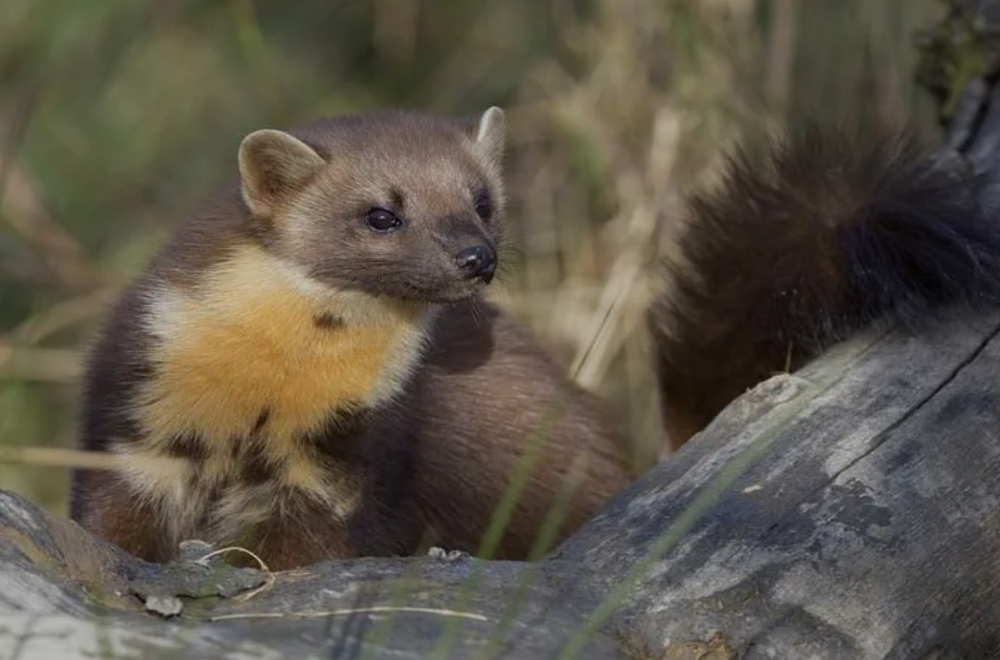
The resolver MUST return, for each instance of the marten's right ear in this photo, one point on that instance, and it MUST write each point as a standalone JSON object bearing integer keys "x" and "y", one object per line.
{"x": 491, "y": 134}
{"x": 273, "y": 164}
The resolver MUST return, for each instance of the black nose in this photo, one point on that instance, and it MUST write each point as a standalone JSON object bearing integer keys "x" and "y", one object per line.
{"x": 478, "y": 261}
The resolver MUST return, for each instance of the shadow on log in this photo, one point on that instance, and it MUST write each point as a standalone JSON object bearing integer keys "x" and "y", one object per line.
{"x": 850, "y": 510}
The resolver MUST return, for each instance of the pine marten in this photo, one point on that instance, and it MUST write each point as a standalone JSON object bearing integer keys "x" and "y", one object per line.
{"x": 307, "y": 369}
{"x": 835, "y": 231}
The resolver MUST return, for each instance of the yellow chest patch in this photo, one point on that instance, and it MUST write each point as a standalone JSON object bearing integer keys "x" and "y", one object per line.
{"x": 247, "y": 343}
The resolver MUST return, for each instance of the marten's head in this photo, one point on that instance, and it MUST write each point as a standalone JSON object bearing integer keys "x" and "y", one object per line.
{"x": 398, "y": 204}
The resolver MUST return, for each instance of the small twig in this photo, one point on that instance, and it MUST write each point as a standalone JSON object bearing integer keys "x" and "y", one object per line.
{"x": 624, "y": 281}
{"x": 233, "y": 548}
{"x": 59, "y": 365}
{"x": 62, "y": 315}
{"x": 268, "y": 574}
{"x": 22, "y": 208}
{"x": 348, "y": 611}
{"x": 56, "y": 457}
{"x": 781, "y": 55}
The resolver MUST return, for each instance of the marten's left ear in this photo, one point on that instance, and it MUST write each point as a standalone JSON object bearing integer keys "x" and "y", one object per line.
{"x": 491, "y": 134}
{"x": 272, "y": 165}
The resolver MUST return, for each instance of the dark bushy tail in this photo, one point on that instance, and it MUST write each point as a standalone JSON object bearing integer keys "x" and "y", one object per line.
{"x": 832, "y": 233}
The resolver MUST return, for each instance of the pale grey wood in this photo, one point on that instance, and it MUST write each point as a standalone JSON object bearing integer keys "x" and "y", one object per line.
{"x": 66, "y": 594}
{"x": 858, "y": 512}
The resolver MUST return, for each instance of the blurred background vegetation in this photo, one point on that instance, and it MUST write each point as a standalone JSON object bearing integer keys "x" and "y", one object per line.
{"x": 117, "y": 116}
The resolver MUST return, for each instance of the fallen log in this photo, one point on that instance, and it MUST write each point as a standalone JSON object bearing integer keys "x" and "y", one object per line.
{"x": 851, "y": 510}
{"x": 66, "y": 594}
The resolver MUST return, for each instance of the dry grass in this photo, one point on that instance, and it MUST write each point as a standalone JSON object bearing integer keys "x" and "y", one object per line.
{"x": 115, "y": 118}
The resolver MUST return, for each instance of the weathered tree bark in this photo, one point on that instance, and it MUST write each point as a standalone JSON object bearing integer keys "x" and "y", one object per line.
{"x": 65, "y": 594}
{"x": 851, "y": 510}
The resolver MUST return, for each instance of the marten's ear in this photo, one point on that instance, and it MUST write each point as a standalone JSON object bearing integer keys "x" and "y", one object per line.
{"x": 491, "y": 134}
{"x": 273, "y": 164}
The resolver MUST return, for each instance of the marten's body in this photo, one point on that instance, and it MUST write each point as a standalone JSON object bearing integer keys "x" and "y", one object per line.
{"x": 832, "y": 233}
{"x": 296, "y": 376}
{"x": 306, "y": 370}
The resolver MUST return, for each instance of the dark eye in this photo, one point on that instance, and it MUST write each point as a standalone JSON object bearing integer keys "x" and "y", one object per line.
{"x": 484, "y": 207}
{"x": 382, "y": 220}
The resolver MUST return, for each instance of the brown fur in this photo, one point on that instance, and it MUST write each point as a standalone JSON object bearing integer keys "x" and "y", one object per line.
{"x": 458, "y": 484}
{"x": 286, "y": 378}
{"x": 832, "y": 233}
